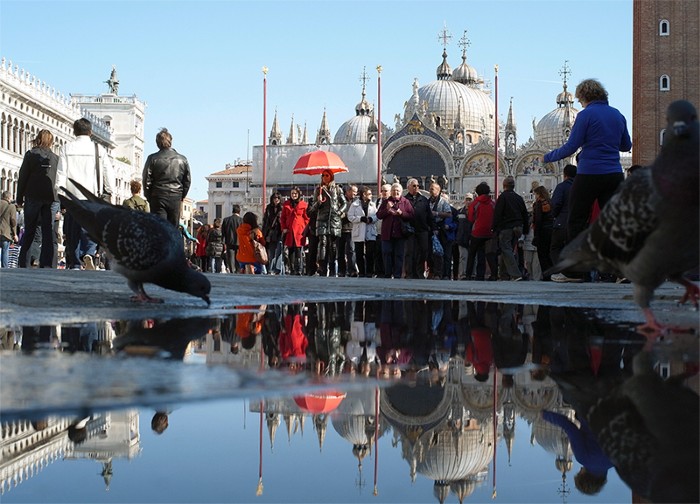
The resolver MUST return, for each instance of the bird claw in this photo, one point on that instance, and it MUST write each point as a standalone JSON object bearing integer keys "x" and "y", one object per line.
{"x": 143, "y": 298}
{"x": 692, "y": 294}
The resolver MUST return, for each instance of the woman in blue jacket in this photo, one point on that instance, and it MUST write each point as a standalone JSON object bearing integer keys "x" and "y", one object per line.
{"x": 600, "y": 131}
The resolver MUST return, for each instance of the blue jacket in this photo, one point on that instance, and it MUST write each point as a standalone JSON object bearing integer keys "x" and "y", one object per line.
{"x": 601, "y": 131}
{"x": 560, "y": 203}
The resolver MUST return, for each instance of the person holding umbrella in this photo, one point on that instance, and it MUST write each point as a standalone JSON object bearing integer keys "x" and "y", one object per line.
{"x": 329, "y": 203}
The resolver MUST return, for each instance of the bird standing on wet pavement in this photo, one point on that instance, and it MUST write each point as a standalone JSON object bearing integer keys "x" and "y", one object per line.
{"x": 648, "y": 231}
{"x": 142, "y": 247}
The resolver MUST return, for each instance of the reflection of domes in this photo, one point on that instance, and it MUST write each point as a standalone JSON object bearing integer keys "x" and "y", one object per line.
{"x": 553, "y": 438}
{"x": 554, "y": 128}
{"x": 453, "y": 456}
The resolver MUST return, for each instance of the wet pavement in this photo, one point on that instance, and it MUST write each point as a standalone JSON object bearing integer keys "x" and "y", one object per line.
{"x": 296, "y": 389}
{"x": 57, "y": 296}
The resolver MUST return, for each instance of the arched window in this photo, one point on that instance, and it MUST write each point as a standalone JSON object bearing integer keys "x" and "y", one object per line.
{"x": 664, "y": 83}
{"x": 664, "y": 28}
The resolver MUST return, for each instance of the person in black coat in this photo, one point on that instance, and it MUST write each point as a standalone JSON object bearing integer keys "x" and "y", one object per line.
{"x": 36, "y": 191}
{"x": 228, "y": 228}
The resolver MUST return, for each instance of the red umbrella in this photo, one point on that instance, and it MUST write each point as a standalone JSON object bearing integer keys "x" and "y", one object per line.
{"x": 321, "y": 402}
{"x": 316, "y": 162}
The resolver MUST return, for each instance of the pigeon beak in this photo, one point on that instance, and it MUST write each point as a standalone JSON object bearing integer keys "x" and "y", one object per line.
{"x": 206, "y": 298}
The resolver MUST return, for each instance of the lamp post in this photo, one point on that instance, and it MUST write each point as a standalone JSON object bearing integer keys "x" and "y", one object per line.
{"x": 379, "y": 129}
{"x": 264, "y": 166}
{"x": 495, "y": 150}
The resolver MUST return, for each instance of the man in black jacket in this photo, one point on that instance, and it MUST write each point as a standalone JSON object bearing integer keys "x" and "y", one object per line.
{"x": 418, "y": 244}
{"x": 510, "y": 220}
{"x": 166, "y": 179}
{"x": 229, "y": 227}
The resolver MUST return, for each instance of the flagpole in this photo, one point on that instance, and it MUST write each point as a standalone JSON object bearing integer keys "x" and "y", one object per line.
{"x": 495, "y": 182}
{"x": 264, "y": 167}
{"x": 379, "y": 130}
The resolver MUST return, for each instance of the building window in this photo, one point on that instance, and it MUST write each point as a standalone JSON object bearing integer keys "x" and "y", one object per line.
{"x": 664, "y": 28}
{"x": 235, "y": 184}
{"x": 665, "y": 83}
{"x": 217, "y": 212}
{"x": 661, "y": 136}
{"x": 219, "y": 185}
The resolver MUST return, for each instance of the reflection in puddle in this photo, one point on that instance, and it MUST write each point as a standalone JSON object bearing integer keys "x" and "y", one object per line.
{"x": 441, "y": 387}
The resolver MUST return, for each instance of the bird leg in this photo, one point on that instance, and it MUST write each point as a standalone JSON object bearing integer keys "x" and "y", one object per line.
{"x": 692, "y": 292}
{"x": 141, "y": 296}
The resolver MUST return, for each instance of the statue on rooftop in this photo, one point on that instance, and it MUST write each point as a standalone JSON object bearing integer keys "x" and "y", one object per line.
{"x": 113, "y": 81}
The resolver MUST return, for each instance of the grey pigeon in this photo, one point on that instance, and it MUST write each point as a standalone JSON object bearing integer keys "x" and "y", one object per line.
{"x": 143, "y": 247}
{"x": 648, "y": 231}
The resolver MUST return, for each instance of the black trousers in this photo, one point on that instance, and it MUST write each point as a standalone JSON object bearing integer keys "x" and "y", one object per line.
{"x": 584, "y": 192}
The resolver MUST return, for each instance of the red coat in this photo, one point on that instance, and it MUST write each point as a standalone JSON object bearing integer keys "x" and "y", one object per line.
{"x": 294, "y": 219}
{"x": 481, "y": 214}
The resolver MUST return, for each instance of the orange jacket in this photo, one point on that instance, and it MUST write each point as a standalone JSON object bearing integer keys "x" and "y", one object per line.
{"x": 245, "y": 253}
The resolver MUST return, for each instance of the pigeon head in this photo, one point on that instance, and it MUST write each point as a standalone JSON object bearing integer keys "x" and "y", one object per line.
{"x": 188, "y": 281}
{"x": 679, "y": 116}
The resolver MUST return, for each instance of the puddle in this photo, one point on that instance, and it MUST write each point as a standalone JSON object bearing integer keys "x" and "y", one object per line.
{"x": 381, "y": 401}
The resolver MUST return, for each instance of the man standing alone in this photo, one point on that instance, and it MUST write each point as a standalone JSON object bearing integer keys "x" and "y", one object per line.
{"x": 509, "y": 220}
{"x": 87, "y": 163}
{"x": 166, "y": 179}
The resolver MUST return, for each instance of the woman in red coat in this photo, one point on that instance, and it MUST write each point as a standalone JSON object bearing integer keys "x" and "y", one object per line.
{"x": 293, "y": 222}
{"x": 201, "y": 248}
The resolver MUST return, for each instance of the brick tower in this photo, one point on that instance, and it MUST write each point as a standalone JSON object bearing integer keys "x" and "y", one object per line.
{"x": 666, "y": 67}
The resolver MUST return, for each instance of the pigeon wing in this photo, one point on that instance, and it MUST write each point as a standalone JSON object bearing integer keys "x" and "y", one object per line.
{"x": 139, "y": 241}
{"x": 626, "y": 221}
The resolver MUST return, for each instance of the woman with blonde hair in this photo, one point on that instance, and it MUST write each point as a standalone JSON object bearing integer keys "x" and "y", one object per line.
{"x": 37, "y": 192}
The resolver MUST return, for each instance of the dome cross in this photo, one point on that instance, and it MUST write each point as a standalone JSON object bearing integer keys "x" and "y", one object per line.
{"x": 445, "y": 36}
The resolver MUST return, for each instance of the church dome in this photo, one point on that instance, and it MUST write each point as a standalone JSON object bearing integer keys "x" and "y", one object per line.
{"x": 465, "y": 74}
{"x": 554, "y": 128}
{"x": 442, "y": 98}
{"x": 360, "y": 128}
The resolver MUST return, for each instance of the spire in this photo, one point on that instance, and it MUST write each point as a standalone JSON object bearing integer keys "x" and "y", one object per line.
{"x": 444, "y": 72}
{"x": 275, "y": 132}
{"x": 292, "y": 138}
{"x": 459, "y": 125}
{"x": 324, "y": 132}
{"x": 305, "y": 136}
{"x": 273, "y": 421}
{"x": 321, "y": 425}
{"x": 566, "y": 100}
{"x": 510, "y": 123}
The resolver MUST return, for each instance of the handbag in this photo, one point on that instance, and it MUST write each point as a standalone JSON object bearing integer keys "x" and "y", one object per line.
{"x": 437, "y": 247}
{"x": 259, "y": 250}
{"x": 407, "y": 228}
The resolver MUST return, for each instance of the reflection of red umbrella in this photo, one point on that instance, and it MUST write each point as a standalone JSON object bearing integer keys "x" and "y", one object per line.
{"x": 321, "y": 402}
{"x": 314, "y": 163}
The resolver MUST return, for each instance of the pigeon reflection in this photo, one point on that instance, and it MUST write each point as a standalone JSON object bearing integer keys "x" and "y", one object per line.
{"x": 167, "y": 339}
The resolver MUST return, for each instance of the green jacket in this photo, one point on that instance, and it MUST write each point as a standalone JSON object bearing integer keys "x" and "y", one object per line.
{"x": 136, "y": 202}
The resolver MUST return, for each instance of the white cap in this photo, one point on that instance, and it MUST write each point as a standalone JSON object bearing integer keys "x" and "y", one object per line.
{"x": 469, "y": 196}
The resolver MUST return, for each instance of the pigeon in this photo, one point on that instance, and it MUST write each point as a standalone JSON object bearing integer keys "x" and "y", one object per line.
{"x": 648, "y": 230}
{"x": 143, "y": 247}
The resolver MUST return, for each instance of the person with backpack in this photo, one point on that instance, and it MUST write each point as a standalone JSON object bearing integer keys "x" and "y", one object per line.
{"x": 215, "y": 247}
{"x": 136, "y": 202}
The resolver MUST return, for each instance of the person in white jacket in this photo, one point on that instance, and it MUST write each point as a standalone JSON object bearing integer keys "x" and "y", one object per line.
{"x": 363, "y": 215}
{"x": 87, "y": 163}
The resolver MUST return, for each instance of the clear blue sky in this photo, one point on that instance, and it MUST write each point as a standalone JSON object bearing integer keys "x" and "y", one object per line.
{"x": 197, "y": 64}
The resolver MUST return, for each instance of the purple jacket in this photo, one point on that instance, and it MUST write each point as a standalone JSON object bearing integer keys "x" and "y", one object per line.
{"x": 391, "y": 222}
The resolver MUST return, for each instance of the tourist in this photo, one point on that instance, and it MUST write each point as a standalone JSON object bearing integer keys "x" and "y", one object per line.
{"x": 8, "y": 227}
{"x": 247, "y": 232}
{"x": 395, "y": 211}
{"x": 362, "y": 215}
{"x": 509, "y": 220}
{"x": 215, "y": 247}
{"x": 418, "y": 242}
{"x": 482, "y": 247}
{"x": 600, "y": 131}
{"x": 136, "y": 202}
{"x": 37, "y": 195}
{"x": 228, "y": 227}
{"x": 329, "y": 204}
{"x": 464, "y": 231}
{"x": 271, "y": 228}
{"x": 87, "y": 163}
{"x": 441, "y": 210}
{"x": 347, "y": 263}
{"x": 166, "y": 179}
{"x": 542, "y": 222}
{"x": 201, "y": 248}
{"x": 293, "y": 222}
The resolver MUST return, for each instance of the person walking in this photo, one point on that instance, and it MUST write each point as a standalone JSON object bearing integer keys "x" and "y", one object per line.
{"x": 8, "y": 227}
{"x": 293, "y": 223}
{"x": 136, "y": 202}
{"x": 37, "y": 194}
{"x": 228, "y": 227}
{"x": 87, "y": 163}
{"x": 600, "y": 131}
{"x": 509, "y": 220}
{"x": 166, "y": 179}
{"x": 481, "y": 242}
{"x": 271, "y": 229}
{"x": 329, "y": 204}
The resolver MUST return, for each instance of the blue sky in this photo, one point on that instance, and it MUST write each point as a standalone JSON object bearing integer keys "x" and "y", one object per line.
{"x": 197, "y": 64}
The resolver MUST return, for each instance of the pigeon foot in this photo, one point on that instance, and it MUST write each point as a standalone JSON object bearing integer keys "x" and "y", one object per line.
{"x": 144, "y": 298}
{"x": 692, "y": 292}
